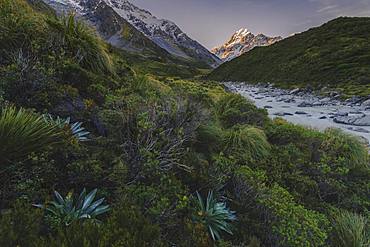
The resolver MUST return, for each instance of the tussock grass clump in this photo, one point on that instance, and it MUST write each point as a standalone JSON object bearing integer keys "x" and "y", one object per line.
{"x": 246, "y": 141}
{"x": 350, "y": 230}
{"x": 210, "y": 137}
{"x": 81, "y": 42}
{"x": 346, "y": 148}
{"x": 23, "y": 132}
{"x": 233, "y": 109}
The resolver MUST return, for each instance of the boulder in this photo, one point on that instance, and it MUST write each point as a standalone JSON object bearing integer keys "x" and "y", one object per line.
{"x": 363, "y": 120}
{"x": 295, "y": 91}
{"x": 300, "y": 113}
{"x": 305, "y": 104}
{"x": 281, "y": 114}
{"x": 341, "y": 113}
{"x": 362, "y": 130}
{"x": 289, "y": 101}
{"x": 366, "y": 103}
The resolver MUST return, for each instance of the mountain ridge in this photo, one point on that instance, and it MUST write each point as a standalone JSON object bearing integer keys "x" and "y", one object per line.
{"x": 120, "y": 21}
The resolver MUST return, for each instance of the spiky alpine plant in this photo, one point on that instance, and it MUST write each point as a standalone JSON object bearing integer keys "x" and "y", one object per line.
{"x": 67, "y": 210}
{"x": 23, "y": 132}
{"x": 76, "y": 129}
{"x": 214, "y": 215}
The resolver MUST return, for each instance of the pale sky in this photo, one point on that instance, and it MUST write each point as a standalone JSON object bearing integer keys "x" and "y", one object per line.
{"x": 212, "y": 22}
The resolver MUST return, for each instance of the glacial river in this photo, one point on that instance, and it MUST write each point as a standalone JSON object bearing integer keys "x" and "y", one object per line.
{"x": 320, "y": 115}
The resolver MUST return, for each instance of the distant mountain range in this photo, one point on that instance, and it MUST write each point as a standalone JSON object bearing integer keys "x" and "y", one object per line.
{"x": 128, "y": 27}
{"x": 334, "y": 54}
{"x": 241, "y": 42}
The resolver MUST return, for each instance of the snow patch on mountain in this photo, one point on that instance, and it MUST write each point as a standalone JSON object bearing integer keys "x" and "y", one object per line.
{"x": 66, "y": 5}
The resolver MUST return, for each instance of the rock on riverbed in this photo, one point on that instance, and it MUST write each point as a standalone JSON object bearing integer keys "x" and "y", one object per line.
{"x": 363, "y": 120}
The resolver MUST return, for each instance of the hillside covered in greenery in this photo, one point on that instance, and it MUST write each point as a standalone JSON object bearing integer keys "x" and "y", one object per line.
{"x": 335, "y": 55}
{"x": 95, "y": 153}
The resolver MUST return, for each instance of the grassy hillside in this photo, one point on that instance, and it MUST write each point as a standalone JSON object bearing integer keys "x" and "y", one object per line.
{"x": 164, "y": 162}
{"x": 336, "y": 54}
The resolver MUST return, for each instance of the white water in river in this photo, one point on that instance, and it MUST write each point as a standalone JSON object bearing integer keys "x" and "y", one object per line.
{"x": 277, "y": 101}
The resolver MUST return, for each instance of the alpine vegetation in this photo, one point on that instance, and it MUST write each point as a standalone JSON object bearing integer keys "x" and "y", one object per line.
{"x": 77, "y": 112}
{"x": 214, "y": 215}
{"x": 23, "y": 132}
{"x": 75, "y": 129}
{"x": 69, "y": 209}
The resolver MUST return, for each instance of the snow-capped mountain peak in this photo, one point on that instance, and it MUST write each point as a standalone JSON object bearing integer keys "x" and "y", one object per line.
{"x": 242, "y": 32}
{"x": 241, "y": 42}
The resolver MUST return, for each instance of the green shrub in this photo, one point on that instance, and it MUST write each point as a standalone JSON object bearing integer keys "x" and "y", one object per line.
{"x": 350, "y": 230}
{"x": 343, "y": 149}
{"x": 286, "y": 222}
{"x": 125, "y": 227}
{"x": 19, "y": 27}
{"x": 22, "y": 133}
{"x": 293, "y": 223}
{"x": 20, "y": 226}
{"x": 234, "y": 109}
{"x": 307, "y": 141}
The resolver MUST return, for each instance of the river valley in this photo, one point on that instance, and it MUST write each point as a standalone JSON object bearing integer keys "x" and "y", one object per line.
{"x": 304, "y": 108}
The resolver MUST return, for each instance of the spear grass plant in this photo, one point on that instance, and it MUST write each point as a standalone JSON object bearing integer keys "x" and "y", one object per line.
{"x": 68, "y": 210}
{"x": 76, "y": 129}
{"x": 215, "y": 216}
{"x": 23, "y": 132}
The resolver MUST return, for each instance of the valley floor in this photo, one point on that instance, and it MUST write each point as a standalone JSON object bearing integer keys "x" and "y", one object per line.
{"x": 309, "y": 110}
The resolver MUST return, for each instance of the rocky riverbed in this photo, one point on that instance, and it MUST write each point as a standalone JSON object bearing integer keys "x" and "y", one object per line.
{"x": 301, "y": 107}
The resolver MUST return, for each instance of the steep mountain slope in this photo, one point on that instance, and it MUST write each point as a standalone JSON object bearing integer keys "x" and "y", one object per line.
{"x": 111, "y": 26}
{"x": 241, "y": 42}
{"x": 164, "y": 33}
{"x": 335, "y": 54}
{"x": 126, "y": 26}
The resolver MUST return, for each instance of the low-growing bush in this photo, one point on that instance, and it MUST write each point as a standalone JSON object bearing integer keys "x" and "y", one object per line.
{"x": 342, "y": 149}
{"x": 20, "y": 226}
